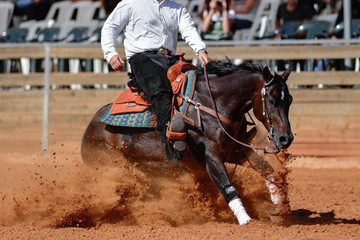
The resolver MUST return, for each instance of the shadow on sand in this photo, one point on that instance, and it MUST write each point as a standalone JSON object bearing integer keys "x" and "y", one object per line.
{"x": 307, "y": 217}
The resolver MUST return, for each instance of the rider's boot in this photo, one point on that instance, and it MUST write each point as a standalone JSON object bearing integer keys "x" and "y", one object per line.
{"x": 177, "y": 132}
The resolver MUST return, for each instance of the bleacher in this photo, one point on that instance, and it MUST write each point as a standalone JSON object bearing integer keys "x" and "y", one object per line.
{"x": 78, "y": 21}
{"x": 66, "y": 21}
{"x": 66, "y": 15}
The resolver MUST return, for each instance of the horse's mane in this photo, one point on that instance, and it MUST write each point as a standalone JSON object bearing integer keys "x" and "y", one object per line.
{"x": 225, "y": 67}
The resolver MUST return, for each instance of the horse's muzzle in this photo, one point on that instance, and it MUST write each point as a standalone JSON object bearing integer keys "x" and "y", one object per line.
{"x": 283, "y": 141}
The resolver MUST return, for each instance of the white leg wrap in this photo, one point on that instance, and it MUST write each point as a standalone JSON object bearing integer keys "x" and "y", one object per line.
{"x": 239, "y": 211}
{"x": 274, "y": 194}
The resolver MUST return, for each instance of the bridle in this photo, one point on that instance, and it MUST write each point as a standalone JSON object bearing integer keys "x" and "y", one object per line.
{"x": 269, "y": 137}
{"x": 265, "y": 113}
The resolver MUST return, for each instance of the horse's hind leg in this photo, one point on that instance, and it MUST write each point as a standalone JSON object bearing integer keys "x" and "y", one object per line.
{"x": 98, "y": 147}
{"x": 275, "y": 179}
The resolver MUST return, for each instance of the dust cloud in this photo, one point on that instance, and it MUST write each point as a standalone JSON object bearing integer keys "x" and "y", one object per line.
{"x": 58, "y": 190}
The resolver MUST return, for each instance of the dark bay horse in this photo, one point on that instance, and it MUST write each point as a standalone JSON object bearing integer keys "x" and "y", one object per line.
{"x": 235, "y": 90}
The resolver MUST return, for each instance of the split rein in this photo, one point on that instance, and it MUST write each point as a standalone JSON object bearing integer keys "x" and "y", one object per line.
{"x": 265, "y": 113}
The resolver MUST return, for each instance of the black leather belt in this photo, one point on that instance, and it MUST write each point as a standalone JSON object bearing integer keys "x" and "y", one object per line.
{"x": 160, "y": 51}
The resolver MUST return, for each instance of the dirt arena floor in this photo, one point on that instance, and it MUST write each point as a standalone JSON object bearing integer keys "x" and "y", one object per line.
{"x": 55, "y": 196}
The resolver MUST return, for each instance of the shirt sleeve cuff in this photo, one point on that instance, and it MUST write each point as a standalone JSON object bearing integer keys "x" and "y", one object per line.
{"x": 110, "y": 55}
{"x": 201, "y": 50}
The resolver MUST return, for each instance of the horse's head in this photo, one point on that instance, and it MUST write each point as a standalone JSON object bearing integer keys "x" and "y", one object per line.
{"x": 271, "y": 107}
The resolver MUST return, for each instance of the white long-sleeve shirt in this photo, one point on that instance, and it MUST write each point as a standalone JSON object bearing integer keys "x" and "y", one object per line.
{"x": 147, "y": 26}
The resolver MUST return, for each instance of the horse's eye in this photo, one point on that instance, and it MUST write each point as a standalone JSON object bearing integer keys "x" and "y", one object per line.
{"x": 271, "y": 101}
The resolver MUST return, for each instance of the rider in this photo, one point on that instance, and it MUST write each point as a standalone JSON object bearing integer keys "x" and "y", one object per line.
{"x": 151, "y": 30}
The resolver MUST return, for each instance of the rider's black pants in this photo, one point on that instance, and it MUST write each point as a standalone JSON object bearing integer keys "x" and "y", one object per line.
{"x": 150, "y": 75}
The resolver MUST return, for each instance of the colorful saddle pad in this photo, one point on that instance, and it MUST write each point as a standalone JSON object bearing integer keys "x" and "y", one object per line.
{"x": 129, "y": 102}
{"x": 143, "y": 117}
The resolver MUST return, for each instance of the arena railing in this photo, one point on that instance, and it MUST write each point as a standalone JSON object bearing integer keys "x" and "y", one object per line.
{"x": 266, "y": 52}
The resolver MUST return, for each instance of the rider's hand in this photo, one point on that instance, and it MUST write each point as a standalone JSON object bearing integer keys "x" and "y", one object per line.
{"x": 204, "y": 58}
{"x": 224, "y": 4}
{"x": 117, "y": 63}
{"x": 212, "y": 4}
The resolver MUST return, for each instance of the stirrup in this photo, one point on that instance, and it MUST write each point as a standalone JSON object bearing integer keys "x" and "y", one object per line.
{"x": 176, "y": 132}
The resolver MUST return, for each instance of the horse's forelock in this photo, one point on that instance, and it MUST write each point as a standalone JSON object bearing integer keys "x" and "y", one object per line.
{"x": 279, "y": 82}
{"x": 282, "y": 81}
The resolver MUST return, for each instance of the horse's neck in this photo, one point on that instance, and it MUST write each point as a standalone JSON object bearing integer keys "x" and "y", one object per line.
{"x": 233, "y": 93}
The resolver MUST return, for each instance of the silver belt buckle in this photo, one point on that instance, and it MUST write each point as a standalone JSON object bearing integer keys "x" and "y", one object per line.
{"x": 163, "y": 51}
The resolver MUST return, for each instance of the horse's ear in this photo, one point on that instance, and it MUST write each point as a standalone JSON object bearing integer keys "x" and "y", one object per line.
{"x": 267, "y": 74}
{"x": 286, "y": 74}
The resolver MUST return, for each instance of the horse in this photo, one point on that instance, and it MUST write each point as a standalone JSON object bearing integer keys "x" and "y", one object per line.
{"x": 231, "y": 91}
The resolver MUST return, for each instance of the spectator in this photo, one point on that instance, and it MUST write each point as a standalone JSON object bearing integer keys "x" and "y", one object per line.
{"x": 334, "y": 5}
{"x": 32, "y": 9}
{"x": 109, "y": 5}
{"x": 319, "y": 6}
{"x": 355, "y": 12}
{"x": 292, "y": 11}
{"x": 245, "y": 11}
{"x": 217, "y": 20}
{"x": 339, "y": 64}
{"x": 313, "y": 5}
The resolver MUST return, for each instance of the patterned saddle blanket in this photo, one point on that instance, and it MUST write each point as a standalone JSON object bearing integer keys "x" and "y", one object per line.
{"x": 130, "y": 110}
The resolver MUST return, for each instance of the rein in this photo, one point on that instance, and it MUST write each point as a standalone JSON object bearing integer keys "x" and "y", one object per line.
{"x": 218, "y": 117}
{"x": 210, "y": 111}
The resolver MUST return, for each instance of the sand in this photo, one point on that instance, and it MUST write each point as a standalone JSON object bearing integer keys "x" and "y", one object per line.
{"x": 55, "y": 196}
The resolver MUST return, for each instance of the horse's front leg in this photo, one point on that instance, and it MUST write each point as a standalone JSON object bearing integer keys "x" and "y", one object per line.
{"x": 218, "y": 173}
{"x": 275, "y": 179}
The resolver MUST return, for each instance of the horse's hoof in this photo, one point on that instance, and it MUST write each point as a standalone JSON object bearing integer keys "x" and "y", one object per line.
{"x": 279, "y": 213}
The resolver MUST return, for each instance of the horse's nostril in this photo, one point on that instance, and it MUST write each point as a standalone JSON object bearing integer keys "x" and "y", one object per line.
{"x": 283, "y": 140}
